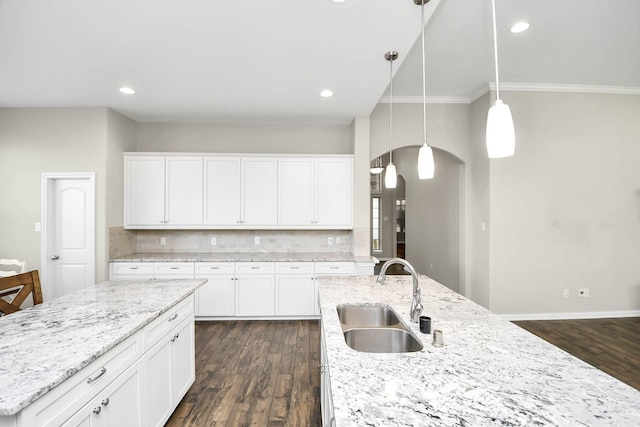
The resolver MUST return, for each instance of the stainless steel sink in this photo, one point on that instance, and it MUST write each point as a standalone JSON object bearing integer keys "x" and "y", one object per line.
{"x": 367, "y": 315}
{"x": 376, "y": 329}
{"x": 381, "y": 340}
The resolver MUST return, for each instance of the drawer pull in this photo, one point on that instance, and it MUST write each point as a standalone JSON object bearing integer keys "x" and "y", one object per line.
{"x": 255, "y": 268}
{"x": 105, "y": 402}
{"x": 174, "y": 268}
{"x": 133, "y": 268}
{"x": 214, "y": 268}
{"x": 294, "y": 268}
{"x": 174, "y": 317}
{"x": 97, "y": 410}
{"x": 334, "y": 267}
{"x": 175, "y": 337}
{"x": 103, "y": 371}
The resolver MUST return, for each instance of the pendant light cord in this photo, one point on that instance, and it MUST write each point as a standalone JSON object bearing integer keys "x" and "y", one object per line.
{"x": 495, "y": 47}
{"x": 390, "y": 107}
{"x": 424, "y": 78}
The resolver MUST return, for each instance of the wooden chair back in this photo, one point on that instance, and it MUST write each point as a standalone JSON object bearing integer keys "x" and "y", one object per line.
{"x": 10, "y": 267}
{"x": 14, "y": 290}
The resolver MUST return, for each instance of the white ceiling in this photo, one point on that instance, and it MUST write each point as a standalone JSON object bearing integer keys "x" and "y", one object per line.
{"x": 266, "y": 61}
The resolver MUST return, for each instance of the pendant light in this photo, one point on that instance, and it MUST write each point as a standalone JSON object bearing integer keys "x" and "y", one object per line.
{"x": 501, "y": 138}
{"x": 376, "y": 166}
{"x": 390, "y": 174}
{"x": 426, "y": 163}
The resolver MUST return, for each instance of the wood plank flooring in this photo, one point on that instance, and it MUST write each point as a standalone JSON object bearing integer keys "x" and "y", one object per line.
{"x": 611, "y": 345}
{"x": 254, "y": 373}
{"x": 265, "y": 373}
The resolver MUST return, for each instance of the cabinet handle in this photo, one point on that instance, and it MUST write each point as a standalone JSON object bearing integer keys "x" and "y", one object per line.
{"x": 214, "y": 268}
{"x": 334, "y": 267}
{"x": 175, "y": 337}
{"x": 103, "y": 371}
{"x": 133, "y": 268}
{"x": 174, "y": 268}
{"x": 294, "y": 268}
{"x": 105, "y": 402}
{"x": 97, "y": 410}
{"x": 174, "y": 317}
{"x": 255, "y": 268}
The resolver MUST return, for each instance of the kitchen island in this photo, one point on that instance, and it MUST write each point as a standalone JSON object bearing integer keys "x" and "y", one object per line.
{"x": 489, "y": 371}
{"x": 64, "y": 351}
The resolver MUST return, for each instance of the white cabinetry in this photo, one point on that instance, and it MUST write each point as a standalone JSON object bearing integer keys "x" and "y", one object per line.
{"x": 173, "y": 270}
{"x": 217, "y": 296}
{"x": 296, "y": 289}
{"x": 315, "y": 191}
{"x": 131, "y": 270}
{"x": 162, "y": 191}
{"x": 240, "y": 191}
{"x": 255, "y": 289}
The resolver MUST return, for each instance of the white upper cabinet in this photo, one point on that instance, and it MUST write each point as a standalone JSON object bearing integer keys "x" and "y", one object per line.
{"x": 316, "y": 192}
{"x": 163, "y": 191}
{"x": 199, "y": 191}
{"x": 240, "y": 192}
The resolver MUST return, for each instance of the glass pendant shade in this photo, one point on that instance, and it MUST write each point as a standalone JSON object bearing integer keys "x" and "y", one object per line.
{"x": 390, "y": 176}
{"x": 426, "y": 164}
{"x": 501, "y": 137}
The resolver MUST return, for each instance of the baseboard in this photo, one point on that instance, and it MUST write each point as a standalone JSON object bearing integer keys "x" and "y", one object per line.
{"x": 574, "y": 315}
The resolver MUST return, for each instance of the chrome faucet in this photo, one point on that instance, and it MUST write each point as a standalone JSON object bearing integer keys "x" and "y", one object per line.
{"x": 416, "y": 304}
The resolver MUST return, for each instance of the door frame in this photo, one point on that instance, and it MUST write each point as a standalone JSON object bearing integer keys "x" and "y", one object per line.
{"x": 47, "y": 228}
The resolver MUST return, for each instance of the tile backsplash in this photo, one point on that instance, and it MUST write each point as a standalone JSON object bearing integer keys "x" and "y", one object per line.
{"x": 124, "y": 242}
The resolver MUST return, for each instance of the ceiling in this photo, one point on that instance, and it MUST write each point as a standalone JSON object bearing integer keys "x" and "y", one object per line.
{"x": 266, "y": 61}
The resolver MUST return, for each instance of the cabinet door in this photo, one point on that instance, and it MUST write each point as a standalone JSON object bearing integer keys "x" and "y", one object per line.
{"x": 183, "y": 371}
{"x": 296, "y": 191}
{"x": 157, "y": 387}
{"x": 222, "y": 190}
{"x": 255, "y": 295}
{"x": 295, "y": 295}
{"x": 259, "y": 191}
{"x": 216, "y": 297}
{"x": 334, "y": 191}
{"x": 184, "y": 190}
{"x": 144, "y": 190}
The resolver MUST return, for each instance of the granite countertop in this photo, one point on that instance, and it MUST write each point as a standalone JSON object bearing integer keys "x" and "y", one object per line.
{"x": 489, "y": 371}
{"x": 244, "y": 257}
{"x": 35, "y": 343}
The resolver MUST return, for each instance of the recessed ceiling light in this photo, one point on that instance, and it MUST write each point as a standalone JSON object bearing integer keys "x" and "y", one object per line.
{"x": 326, "y": 93}
{"x": 127, "y": 90}
{"x": 338, "y": 1}
{"x": 519, "y": 27}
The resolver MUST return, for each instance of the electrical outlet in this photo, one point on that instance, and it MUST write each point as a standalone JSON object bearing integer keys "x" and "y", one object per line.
{"x": 214, "y": 242}
{"x": 583, "y": 293}
{"x": 256, "y": 240}
{"x": 163, "y": 240}
{"x": 338, "y": 241}
{"x": 431, "y": 267}
{"x": 566, "y": 293}
{"x": 330, "y": 241}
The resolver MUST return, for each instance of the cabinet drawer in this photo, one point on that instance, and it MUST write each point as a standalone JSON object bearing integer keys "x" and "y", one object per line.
{"x": 294, "y": 268}
{"x": 255, "y": 267}
{"x": 58, "y": 405}
{"x": 209, "y": 268}
{"x": 160, "y": 327}
{"x": 330, "y": 268}
{"x": 132, "y": 268}
{"x": 172, "y": 268}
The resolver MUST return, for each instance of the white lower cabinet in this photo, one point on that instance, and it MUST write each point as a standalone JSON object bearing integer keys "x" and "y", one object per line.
{"x": 216, "y": 297}
{"x": 170, "y": 373}
{"x": 254, "y": 296}
{"x": 119, "y": 404}
{"x": 138, "y": 383}
{"x": 295, "y": 289}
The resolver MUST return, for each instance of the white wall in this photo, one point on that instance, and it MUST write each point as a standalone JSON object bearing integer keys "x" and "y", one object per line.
{"x": 565, "y": 210}
{"x": 244, "y": 138}
{"x": 121, "y": 137}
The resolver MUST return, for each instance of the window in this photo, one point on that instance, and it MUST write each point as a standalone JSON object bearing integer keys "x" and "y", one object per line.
{"x": 376, "y": 225}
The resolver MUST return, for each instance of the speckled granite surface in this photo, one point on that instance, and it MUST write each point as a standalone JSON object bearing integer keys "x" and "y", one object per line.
{"x": 489, "y": 372}
{"x": 42, "y": 346}
{"x": 243, "y": 257}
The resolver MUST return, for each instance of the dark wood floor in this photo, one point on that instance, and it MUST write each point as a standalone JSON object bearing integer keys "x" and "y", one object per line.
{"x": 265, "y": 373}
{"x": 611, "y": 345}
{"x": 254, "y": 373}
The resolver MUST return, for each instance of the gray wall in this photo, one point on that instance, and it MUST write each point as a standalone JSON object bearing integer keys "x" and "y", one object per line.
{"x": 245, "y": 138}
{"x": 565, "y": 210}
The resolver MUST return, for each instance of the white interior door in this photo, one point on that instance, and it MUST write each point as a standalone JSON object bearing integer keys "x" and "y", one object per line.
{"x": 68, "y": 232}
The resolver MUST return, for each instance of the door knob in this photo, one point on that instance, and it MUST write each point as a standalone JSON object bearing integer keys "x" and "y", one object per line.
{"x": 54, "y": 257}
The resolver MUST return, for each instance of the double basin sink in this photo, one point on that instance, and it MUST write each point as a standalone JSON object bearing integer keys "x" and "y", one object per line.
{"x": 376, "y": 329}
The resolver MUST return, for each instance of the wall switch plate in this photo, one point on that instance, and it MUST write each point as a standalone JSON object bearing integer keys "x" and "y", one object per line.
{"x": 483, "y": 226}
{"x": 566, "y": 293}
{"x": 38, "y": 227}
{"x": 583, "y": 293}
{"x": 330, "y": 241}
{"x": 256, "y": 240}
{"x": 431, "y": 267}
{"x": 213, "y": 241}
{"x": 163, "y": 240}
